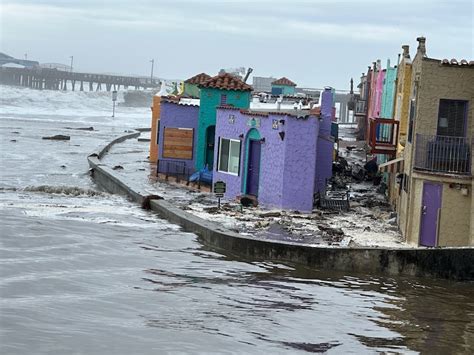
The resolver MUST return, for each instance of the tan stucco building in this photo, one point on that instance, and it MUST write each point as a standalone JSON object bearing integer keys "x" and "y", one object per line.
{"x": 435, "y": 204}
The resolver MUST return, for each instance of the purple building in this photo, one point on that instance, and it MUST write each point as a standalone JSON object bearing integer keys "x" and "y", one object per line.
{"x": 281, "y": 158}
{"x": 325, "y": 140}
{"x": 177, "y": 135}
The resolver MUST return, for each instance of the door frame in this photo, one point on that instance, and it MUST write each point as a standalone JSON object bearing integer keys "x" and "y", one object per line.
{"x": 252, "y": 134}
{"x": 206, "y": 148}
{"x": 438, "y": 213}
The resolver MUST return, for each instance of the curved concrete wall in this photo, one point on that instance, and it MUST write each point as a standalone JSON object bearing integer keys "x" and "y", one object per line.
{"x": 453, "y": 263}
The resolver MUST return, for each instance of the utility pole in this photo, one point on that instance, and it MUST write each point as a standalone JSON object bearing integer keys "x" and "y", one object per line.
{"x": 26, "y": 56}
{"x": 72, "y": 60}
{"x": 152, "y": 65}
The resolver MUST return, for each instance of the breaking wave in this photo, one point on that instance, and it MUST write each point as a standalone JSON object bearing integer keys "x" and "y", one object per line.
{"x": 21, "y": 100}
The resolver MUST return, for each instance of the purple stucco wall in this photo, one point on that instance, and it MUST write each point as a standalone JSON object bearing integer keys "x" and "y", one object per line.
{"x": 325, "y": 142}
{"x": 178, "y": 116}
{"x": 230, "y": 131}
{"x": 300, "y": 162}
{"x": 287, "y": 170}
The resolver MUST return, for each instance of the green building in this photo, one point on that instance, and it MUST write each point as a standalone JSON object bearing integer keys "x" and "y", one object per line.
{"x": 191, "y": 85}
{"x": 388, "y": 93}
{"x": 223, "y": 89}
{"x": 283, "y": 86}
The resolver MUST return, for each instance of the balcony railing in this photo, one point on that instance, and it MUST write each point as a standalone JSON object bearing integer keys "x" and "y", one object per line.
{"x": 383, "y": 136}
{"x": 443, "y": 154}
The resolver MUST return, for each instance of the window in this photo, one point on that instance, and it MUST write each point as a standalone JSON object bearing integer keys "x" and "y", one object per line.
{"x": 223, "y": 99}
{"x": 229, "y": 156}
{"x": 452, "y": 118}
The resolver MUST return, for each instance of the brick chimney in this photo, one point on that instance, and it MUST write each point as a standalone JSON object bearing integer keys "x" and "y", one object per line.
{"x": 406, "y": 51}
{"x": 421, "y": 46}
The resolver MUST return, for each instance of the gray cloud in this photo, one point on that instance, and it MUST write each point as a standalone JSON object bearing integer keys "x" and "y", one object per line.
{"x": 315, "y": 43}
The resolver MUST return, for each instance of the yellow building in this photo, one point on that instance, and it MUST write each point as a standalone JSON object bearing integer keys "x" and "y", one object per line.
{"x": 402, "y": 97}
{"x": 436, "y": 207}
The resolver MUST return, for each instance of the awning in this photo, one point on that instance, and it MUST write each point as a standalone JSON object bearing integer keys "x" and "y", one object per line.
{"x": 392, "y": 166}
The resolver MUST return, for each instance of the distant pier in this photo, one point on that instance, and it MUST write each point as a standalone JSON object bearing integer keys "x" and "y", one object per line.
{"x": 53, "y": 79}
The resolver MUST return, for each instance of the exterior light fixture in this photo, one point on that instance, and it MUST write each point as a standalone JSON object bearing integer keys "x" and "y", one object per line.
{"x": 241, "y": 136}
{"x": 262, "y": 140}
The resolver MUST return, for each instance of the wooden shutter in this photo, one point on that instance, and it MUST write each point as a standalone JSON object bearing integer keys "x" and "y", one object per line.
{"x": 178, "y": 143}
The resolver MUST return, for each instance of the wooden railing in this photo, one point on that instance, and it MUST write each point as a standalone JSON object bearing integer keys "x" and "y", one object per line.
{"x": 383, "y": 136}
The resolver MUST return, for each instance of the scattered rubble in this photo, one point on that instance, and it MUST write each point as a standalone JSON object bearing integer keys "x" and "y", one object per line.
{"x": 368, "y": 222}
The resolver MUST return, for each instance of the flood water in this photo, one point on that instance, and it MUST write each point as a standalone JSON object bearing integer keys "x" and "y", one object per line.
{"x": 86, "y": 272}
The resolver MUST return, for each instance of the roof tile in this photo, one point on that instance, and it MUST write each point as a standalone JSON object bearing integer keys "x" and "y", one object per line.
{"x": 198, "y": 79}
{"x": 226, "y": 81}
{"x": 283, "y": 81}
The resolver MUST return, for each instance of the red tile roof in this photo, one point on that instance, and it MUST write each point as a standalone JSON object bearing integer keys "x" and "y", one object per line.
{"x": 198, "y": 79}
{"x": 226, "y": 81}
{"x": 284, "y": 81}
{"x": 462, "y": 62}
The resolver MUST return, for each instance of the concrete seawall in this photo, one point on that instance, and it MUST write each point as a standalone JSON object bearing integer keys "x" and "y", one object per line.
{"x": 452, "y": 263}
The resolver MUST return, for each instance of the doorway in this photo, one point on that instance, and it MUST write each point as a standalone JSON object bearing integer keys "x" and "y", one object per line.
{"x": 253, "y": 167}
{"x": 430, "y": 213}
{"x": 210, "y": 138}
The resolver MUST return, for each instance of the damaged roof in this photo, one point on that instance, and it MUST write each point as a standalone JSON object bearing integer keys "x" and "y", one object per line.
{"x": 226, "y": 81}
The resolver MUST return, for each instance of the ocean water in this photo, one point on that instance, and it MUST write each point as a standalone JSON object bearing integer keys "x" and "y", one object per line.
{"x": 86, "y": 272}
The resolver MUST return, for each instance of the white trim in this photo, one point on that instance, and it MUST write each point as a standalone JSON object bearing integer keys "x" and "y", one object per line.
{"x": 228, "y": 158}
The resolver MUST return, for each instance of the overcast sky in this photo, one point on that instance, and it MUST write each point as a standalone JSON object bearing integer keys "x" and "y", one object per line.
{"x": 314, "y": 43}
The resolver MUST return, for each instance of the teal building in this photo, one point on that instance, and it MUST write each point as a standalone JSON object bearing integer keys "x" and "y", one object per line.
{"x": 388, "y": 93}
{"x": 221, "y": 90}
{"x": 283, "y": 86}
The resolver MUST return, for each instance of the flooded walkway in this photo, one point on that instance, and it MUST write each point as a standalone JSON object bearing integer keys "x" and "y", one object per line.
{"x": 83, "y": 271}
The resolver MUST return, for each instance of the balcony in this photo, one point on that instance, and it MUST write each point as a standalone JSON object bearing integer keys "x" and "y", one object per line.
{"x": 383, "y": 136}
{"x": 443, "y": 154}
{"x": 360, "y": 107}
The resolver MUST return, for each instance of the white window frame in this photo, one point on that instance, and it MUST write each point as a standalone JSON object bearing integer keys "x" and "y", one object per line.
{"x": 228, "y": 159}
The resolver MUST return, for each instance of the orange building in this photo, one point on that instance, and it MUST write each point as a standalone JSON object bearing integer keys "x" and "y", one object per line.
{"x": 155, "y": 118}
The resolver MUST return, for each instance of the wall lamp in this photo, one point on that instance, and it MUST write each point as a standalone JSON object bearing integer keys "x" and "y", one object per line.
{"x": 241, "y": 136}
{"x": 262, "y": 140}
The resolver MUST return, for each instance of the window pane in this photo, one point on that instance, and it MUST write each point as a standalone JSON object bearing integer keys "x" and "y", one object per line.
{"x": 451, "y": 120}
{"x": 224, "y": 155}
{"x": 234, "y": 157}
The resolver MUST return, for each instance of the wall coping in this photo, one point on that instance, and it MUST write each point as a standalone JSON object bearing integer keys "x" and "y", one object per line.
{"x": 453, "y": 263}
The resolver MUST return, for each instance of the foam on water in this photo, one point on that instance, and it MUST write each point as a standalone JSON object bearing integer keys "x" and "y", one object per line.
{"x": 56, "y": 105}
